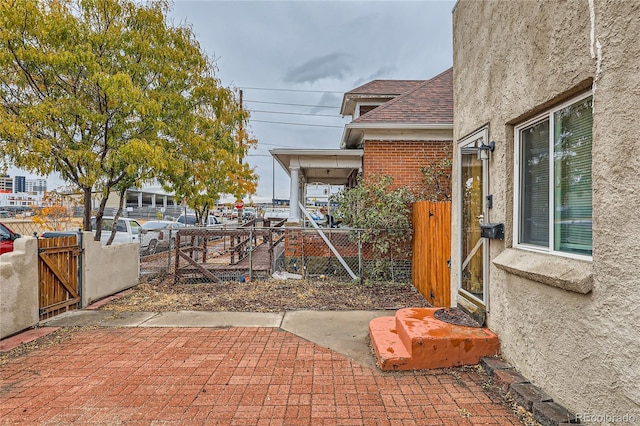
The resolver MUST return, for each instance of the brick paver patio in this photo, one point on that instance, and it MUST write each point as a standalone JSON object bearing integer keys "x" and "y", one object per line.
{"x": 234, "y": 376}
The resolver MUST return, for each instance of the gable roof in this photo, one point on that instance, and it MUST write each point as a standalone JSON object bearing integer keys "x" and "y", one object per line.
{"x": 385, "y": 87}
{"x": 430, "y": 102}
{"x": 378, "y": 91}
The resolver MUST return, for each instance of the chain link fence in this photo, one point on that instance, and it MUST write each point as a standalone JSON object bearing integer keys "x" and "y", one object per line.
{"x": 256, "y": 250}
{"x": 25, "y": 227}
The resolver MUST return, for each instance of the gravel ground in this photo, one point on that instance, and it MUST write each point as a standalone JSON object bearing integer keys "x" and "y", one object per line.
{"x": 159, "y": 294}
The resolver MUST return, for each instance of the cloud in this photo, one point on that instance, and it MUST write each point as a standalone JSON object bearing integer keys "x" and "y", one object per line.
{"x": 335, "y": 65}
{"x": 330, "y": 99}
{"x": 385, "y": 72}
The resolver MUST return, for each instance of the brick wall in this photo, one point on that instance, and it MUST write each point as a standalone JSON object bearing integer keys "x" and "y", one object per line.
{"x": 403, "y": 159}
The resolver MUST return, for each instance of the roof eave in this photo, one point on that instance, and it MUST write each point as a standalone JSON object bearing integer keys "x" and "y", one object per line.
{"x": 353, "y": 133}
{"x": 350, "y": 100}
{"x": 399, "y": 126}
{"x": 351, "y": 139}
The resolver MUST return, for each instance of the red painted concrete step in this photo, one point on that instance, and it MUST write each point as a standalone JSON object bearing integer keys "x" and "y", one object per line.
{"x": 414, "y": 339}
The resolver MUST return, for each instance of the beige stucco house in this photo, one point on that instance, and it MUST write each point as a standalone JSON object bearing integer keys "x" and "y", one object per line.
{"x": 556, "y": 86}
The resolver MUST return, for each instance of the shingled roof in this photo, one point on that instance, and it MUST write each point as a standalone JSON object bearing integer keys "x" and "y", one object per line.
{"x": 385, "y": 87}
{"x": 429, "y": 102}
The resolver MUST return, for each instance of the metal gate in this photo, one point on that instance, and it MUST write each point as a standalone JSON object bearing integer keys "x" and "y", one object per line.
{"x": 58, "y": 275}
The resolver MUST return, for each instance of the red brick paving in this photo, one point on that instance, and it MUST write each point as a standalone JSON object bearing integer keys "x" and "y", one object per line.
{"x": 235, "y": 376}
{"x": 25, "y": 337}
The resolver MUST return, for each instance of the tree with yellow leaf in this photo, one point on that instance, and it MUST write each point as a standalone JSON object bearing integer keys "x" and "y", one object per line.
{"x": 56, "y": 213}
{"x": 210, "y": 165}
{"x": 108, "y": 95}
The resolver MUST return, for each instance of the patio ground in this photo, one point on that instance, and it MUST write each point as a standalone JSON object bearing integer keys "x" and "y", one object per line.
{"x": 237, "y": 375}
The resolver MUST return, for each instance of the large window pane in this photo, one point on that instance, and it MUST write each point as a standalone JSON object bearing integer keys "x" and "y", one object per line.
{"x": 534, "y": 185}
{"x": 572, "y": 180}
{"x": 472, "y": 265}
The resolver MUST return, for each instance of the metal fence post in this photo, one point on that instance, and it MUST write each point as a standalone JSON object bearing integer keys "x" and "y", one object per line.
{"x": 171, "y": 236}
{"x": 81, "y": 267}
{"x": 251, "y": 253}
{"x": 393, "y": 270}
{"x": 360, "y": 258}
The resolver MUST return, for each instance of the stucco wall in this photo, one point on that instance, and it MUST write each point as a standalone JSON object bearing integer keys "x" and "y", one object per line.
{"x": 19, "y": 287}
{"x": 109, "y": 269}
{"x": 513, "y": 60}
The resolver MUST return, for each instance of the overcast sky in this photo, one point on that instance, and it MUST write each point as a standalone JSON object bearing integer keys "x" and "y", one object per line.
{"x": 285, "y": 54}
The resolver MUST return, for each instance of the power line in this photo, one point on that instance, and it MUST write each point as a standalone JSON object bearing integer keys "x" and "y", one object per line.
{"x": 284, "y": 103}
{"x": 261, "y": 144}
{"x": 292, "y": 90}
{"x": 296, "y": 113}
{"x": 295, "y": 124}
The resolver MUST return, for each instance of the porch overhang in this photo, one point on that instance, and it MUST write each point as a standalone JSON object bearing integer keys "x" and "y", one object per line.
{"x": 327, "y": 166}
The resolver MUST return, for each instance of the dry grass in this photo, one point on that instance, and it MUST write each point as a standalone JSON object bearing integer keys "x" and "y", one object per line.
{"x": 159, "y": 294}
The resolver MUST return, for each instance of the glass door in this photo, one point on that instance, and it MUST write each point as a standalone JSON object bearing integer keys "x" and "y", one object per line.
{"x": 474, "y": 249}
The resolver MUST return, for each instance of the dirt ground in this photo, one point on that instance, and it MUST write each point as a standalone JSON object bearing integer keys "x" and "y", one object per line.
{"x": 159, "y": 294}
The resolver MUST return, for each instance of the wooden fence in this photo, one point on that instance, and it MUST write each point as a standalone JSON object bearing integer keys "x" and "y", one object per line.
{"x": 432, "y": 251}
{"x": 58, "y": 275}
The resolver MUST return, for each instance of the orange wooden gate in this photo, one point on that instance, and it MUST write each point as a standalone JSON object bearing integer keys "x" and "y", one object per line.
{"x": 432, "y": 251}
{"x": 58, "y": 275}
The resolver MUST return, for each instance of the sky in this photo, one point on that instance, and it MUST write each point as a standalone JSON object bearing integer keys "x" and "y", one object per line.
{"x": 294, "y": 60}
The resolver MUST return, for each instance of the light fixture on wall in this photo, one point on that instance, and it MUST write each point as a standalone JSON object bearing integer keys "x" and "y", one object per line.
{"x": 483, "y": 150}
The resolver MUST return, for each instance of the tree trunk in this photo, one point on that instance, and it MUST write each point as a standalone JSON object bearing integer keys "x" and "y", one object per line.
{"x": 114, "y": 228}
{"x": 86, "y": 221}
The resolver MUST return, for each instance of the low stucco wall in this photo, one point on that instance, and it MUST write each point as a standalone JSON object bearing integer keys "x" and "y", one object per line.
{"x": 107, "y": 270}
{"x": 569, "y": 326}
{"x": 19, "y": 287}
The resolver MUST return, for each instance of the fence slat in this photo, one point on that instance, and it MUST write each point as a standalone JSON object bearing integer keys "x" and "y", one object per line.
{"x": 57, "y": 275}
{"x": 432, "y": 251}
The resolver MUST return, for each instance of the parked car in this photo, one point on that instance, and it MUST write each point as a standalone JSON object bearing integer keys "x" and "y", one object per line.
{"x": 248, "y": 213}
{"x": 276, "y": 213}
{"x": 7, "y": 237}
{"x": 318, "y": 218}
{"x": 127, "y": 230}
{"x": 230, "y": 213}
{"x": 191, "y": 220}
{"x": 156, "y": 234}
{"x": 4, "y": 214}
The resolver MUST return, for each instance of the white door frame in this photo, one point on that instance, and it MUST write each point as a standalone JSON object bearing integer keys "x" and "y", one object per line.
{"x": 473, "y": 141}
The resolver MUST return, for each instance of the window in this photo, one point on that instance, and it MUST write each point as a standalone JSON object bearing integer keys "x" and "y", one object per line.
{"x": 553, "y": 180}
{"x": 135, "y": 227}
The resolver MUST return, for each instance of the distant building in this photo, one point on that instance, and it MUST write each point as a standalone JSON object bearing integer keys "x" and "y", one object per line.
{"x": 18, "y": 202}
{"x": 280, "y": 202}
{"x": 35, "y": 186}
{"x": 6, "y": 184}
{"x": 318, "y": 194}
{"x": 19, "y": 184}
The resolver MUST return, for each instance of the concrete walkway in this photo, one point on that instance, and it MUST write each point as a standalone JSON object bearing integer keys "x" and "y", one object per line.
{"x": 290, "y": 368}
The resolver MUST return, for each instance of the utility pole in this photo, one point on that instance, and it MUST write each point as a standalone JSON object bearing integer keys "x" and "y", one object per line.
{"x": 241, "y": 121}
{"x": 241, "y": 153}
